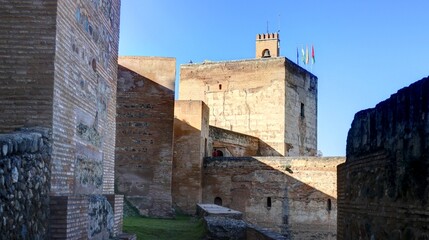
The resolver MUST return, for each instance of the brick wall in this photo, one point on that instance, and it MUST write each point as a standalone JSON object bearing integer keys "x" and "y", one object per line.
{"x": 144, "y": 145}
{"x": 261, "y": 98}
{"x": 27, "y": 52}
{"x": 383, "y": 186}
{"x": 288, "y": 195}
{"x": 191, "y": 132}
{"x": 84, "y": 104}
{"x": 117, "y": 202}
{"x": 67, "y": 220}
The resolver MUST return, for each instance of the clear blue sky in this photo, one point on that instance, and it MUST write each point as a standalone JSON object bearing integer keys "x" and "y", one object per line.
{"x": 365, "y": 50}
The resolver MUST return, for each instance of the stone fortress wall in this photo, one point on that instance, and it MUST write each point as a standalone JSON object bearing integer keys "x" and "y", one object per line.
{"x": 292, "y": 195}
{"x": 383, "y": 187}
{"x": 60, "y": 87}
{"x": 272, "y": 99}
{"x": 254, "y": 107}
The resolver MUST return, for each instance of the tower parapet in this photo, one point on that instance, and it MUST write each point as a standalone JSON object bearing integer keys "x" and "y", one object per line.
{"x": 267, "y": 45}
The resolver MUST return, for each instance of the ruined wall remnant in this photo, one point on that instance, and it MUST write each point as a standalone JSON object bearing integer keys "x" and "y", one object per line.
{"x": 60, "y": 73}
{"x": 85, "y": 216}
{"x": 383, "y": 187}
{"x": 233, "y": 143}
{"x": 144, "y": 125}
{"x": 292, "y": 195}
{"x": 191, "y": 133}
{"x": 272, "y": 99}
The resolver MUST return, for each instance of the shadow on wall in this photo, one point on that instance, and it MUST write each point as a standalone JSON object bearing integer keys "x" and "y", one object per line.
{"x": 294, "y": 196}
{"x": 142, "y": 150}
{"x": 189, "y": 147}
{"x": 234, "y": 144}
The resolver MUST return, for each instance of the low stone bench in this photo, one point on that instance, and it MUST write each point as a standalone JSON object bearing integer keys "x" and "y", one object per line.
{"x": 224, "y": 223}
{"x": 217, "y": 211}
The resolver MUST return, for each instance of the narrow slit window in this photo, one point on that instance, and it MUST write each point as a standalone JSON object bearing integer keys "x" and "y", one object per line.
{"x": 329, "y": 207}
{"x": 268, "y": 202}
{"x": 205, "y": 148}
{"x": 302, "y": 110}
{"x": 220, "y": 86}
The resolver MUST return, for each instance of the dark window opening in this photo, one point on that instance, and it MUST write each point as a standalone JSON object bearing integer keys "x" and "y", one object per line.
{"x": 217, "y": 153}
{"x": 302, "y": 110}
{"x": 205, "y": 148}
{"x": 220, "y": 86}
{"x": 94, "y": 65}
{"x": 218, "y": 201}
{"x": 268, "y": 202}
{"x": 329, "y": 205}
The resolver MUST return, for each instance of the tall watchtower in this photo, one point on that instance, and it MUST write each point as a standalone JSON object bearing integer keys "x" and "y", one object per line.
{"x": 267, "y": 45}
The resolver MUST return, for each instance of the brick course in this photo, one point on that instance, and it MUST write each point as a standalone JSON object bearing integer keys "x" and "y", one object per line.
{"x": 27, "y": 52}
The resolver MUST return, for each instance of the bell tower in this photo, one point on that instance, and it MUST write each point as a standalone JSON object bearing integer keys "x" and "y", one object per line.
{"x": 267, "y": 45}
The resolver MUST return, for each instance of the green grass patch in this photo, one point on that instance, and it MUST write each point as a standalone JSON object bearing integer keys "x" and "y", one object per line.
{"x": 182, "y": 227}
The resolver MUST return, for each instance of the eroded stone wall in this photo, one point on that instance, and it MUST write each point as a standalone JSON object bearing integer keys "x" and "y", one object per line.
{"x": 295, "y": 196}
{"x": 144, "y": 124}
{"x": 191, "y": 133}
{"x": 272, "y": 99}
{"x": 383, "y": 187}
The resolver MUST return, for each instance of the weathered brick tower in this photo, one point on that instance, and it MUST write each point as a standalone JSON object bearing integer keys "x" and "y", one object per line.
{"x": 269, "y": 97}
{"x": 58, "y": 70}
